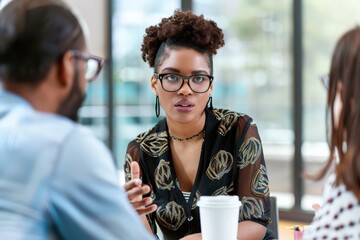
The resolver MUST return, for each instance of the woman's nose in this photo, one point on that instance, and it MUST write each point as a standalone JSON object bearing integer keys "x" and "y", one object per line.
{"x": 185, "y": 88}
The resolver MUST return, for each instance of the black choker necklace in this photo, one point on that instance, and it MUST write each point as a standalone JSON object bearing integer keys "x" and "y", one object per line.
{"x": 188, "y": 138}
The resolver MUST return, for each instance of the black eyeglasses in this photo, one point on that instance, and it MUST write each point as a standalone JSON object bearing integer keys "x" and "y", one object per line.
{"x": 324, "y": 80}
{"x": 93, "y": 64}
{"x": 198, "y": 83}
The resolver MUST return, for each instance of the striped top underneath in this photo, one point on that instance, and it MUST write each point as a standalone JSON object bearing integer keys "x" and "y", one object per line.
{"x": 186, "y": 195}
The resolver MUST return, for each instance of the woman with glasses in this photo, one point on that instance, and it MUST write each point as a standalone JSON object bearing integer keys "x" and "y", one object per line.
{"x": 339, "y": 214}
{"x": 196, "y": 150}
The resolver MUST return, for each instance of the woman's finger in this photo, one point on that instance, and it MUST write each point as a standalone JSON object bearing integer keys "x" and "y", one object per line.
{"x": 136, "y": 194}
{"x": 132, "y": 184}
{"x": 135, "y": 170}
{"x": 147, "y": 210}
{"x": 316, "y": 206}
{"x": 143, "y": 203}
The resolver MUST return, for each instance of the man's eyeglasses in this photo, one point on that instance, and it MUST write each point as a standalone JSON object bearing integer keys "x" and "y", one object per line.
{"x": 198, "y": 83}
{"x": 93, "y": 64}
{"x": 325, "y": 80}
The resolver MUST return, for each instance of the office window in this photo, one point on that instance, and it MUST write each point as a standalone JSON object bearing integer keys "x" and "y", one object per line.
{"x": 134, "y": 101}
{"x": 253, "y": 76}
{"x": 94, "y": 111}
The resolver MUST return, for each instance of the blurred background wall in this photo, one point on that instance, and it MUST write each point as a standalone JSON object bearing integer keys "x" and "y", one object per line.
{"x": 95, "y": 15}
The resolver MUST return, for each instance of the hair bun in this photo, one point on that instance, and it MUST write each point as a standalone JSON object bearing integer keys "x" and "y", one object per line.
{"x": 182, "y": 26}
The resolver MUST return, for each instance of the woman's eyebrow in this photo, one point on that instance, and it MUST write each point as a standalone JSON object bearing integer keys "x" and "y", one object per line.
{"x": 178, "y": 71}
{"x": 199, "y": 72}
{"x": 171, "y": 69}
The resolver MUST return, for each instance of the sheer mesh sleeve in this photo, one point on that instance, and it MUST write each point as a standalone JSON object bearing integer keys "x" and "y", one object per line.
{"x": 252, "y": 185}
{"x": 133, "y": 154}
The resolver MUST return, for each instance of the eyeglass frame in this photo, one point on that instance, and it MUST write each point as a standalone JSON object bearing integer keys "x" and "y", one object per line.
{"x": 86, "y": 56}
{"x": 160, "y": 76}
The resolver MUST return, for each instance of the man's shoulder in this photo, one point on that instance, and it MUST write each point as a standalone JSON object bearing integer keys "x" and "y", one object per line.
{"x": 41, "y": 126}
{"x": 55, "y": 127}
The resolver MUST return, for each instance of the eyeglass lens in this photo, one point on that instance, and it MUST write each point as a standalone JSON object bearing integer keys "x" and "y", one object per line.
{"x": 197, "y": 83}
{"x": 92, "y": 68}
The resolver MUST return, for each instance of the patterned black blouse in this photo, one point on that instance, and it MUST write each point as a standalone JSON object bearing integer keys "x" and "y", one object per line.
{"x": 232, "y": 163}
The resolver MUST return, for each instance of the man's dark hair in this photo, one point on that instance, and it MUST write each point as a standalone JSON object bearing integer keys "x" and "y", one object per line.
{"x": 34, "y": 34}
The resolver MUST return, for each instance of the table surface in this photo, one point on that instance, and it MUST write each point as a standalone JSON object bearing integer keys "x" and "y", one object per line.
{"x": 285, "y": 231}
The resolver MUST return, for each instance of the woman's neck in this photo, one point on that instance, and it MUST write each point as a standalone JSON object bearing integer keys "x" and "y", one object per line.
{"x": 186, "y": 130}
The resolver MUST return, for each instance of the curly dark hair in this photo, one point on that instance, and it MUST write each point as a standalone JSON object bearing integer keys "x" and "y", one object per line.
{"x": 182, "y": 29}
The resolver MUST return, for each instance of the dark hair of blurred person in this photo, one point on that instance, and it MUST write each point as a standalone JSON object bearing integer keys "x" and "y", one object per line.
{"x": 35, "y": 36}
{"x": 339, "y": 215}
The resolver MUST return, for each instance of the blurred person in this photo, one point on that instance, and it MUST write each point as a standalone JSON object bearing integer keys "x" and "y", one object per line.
{"x": 338, "y": 215}
{"x": 197, "y": 150}
{"x": 57, "y": 181}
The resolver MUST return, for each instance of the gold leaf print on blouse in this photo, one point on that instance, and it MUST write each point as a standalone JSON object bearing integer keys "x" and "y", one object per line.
{"x": 219, "y": 114}
{"x": 155, "y": 144}
{"x": 249, "y": 152}
{"x": 224, "y": 190}
{"x": 220, "y": 164}
{"x": 163, "y": 177}
{"x": 196, "y": 198}
{"x": 171, "y": 216}
{"x": 260, "y": 183}
{"x": 141, "y": 136}
{"x": 251, "y": 208}
{"x": 127, "y": 167}
{"x": 152, "y": 194}
{"x": 228, "y": 120}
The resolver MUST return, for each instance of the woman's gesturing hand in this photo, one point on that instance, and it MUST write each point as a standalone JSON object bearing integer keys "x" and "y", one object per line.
{"x": 135, "y": 191}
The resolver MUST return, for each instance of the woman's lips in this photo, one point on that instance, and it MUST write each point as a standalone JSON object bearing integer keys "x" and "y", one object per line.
{"x": 184, "y": 106}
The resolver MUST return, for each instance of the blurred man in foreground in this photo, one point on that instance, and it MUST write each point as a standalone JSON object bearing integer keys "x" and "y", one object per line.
{"x": 56, "y": 179}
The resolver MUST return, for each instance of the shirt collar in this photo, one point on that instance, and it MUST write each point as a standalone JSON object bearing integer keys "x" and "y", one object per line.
{"x": 9, "y": 99}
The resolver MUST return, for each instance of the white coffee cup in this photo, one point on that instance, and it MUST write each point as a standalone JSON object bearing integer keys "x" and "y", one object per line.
{"x": 219, "y": 217}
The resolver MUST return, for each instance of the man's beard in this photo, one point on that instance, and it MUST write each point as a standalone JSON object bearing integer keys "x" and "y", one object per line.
{"x": 69, "y": 107}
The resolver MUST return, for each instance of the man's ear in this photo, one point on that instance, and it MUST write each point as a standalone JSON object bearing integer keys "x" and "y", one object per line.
{"x": 66, "y": 69}
{"x": 153, "y": 82}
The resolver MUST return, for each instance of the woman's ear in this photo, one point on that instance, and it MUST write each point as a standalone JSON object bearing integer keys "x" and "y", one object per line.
{"x": 153, "y": 83}
{"x": 211, "y": 89}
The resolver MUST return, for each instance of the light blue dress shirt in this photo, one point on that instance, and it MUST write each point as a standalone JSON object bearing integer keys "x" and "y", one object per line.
{"x": 57, "y": 180}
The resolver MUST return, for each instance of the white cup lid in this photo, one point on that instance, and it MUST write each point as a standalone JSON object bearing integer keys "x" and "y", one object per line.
{"x": 221, "y": 200}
